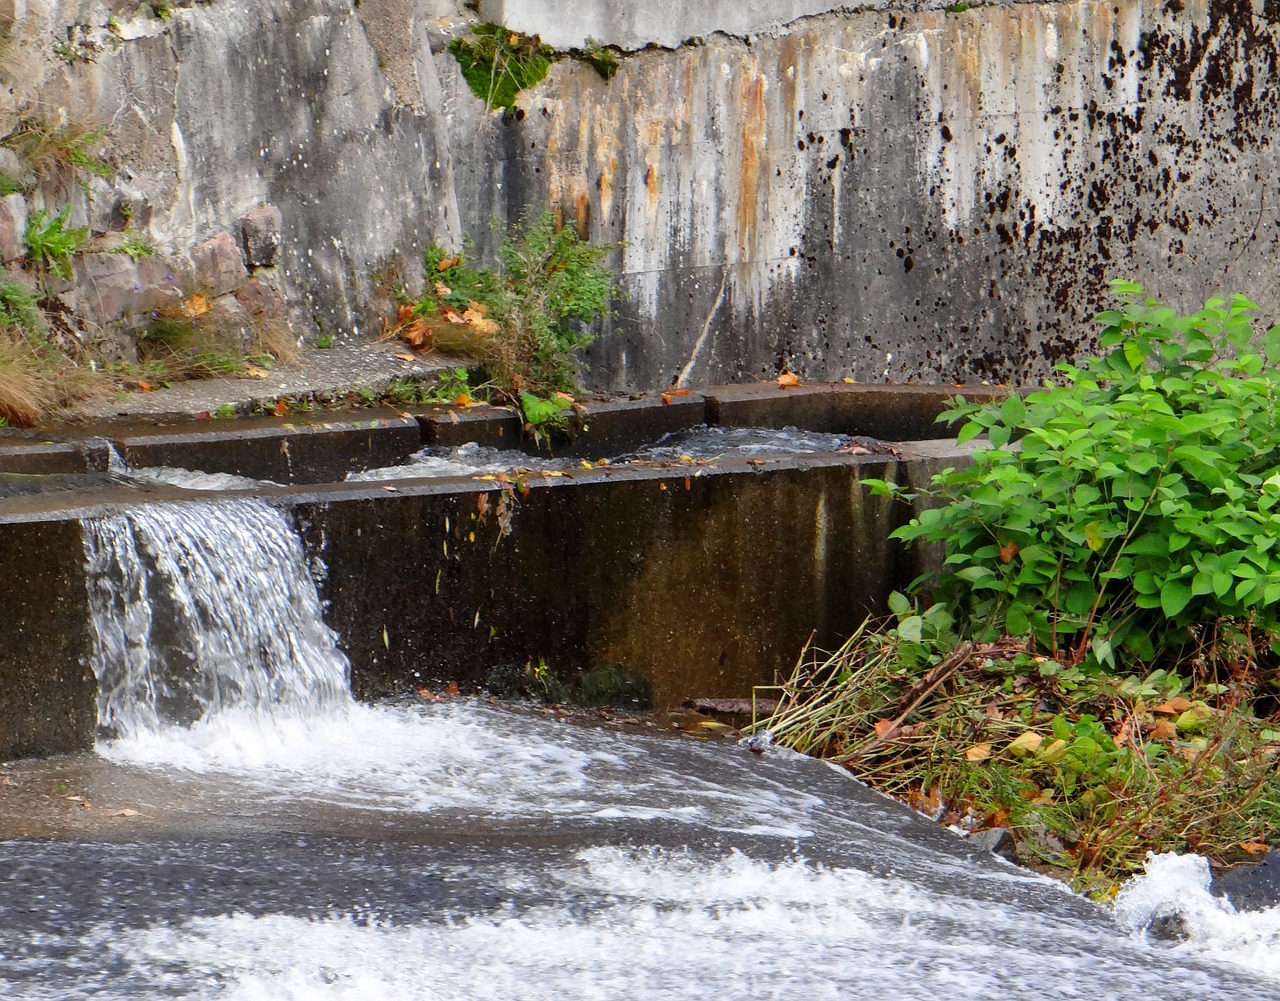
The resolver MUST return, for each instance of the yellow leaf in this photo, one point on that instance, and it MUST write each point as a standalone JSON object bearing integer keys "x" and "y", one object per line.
{"x": 1053, "y": 751}
{"x": 254, "y": 372}
{"x": 978, "y": 752}
{"x": 787, "y": 380}
{"x": 850, "y": 380}
{"x": 197, "y": 305}
{"x": 711, "y": 724}
{"x": 1255, "y": 847}
{"x": 1093, "y": 536}
{"x": 1026, "y": 743}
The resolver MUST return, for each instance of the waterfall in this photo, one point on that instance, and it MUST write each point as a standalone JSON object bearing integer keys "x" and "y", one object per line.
{"x": 204, "y": 607}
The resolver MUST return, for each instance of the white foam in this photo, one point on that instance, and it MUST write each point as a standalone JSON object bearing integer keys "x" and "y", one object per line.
{"x": 651, "y": 923}
{"x": 1179, "y": 884}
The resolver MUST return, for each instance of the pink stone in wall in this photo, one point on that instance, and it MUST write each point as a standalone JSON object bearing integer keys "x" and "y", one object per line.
{"x": 219, "y": 264}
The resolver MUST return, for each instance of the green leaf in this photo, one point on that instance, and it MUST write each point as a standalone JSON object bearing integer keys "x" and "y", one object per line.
{"x": 911, "y": 629}
{"x": 1175, "y": 595}
{"x": 898, "y": 603}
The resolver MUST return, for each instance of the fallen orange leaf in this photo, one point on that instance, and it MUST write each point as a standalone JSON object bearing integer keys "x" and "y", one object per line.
{"x": 197, "y": 305}
{"x": 451, "y": 688}
{"x": 462, "y": 400}
{"x": 442, "y": 289}
{"x": 281, "y": 408}
{"x": 404, "y": 356}
{"x": 1255, "y": 847}
{"x": 145, "y": 387}
{"x": 788, "y": 380}
{"x": 978, "y": 752}
{"x": 447, "y": 263}
{"x": 1164, "y": 731}
{"x": 1176, "y": 706}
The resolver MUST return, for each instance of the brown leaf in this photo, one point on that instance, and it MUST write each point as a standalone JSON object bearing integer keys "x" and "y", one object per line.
{"x": 1008, "y": 551}
{"x": 666, "y": 399}
{"x": 883, "y": 728}
{"x": 417, "y": 335}
{"x": 451, "y": 688}
{"x": 788, "y": 380}
{"x": 128, "y": 811}
{"x": 426, "y": 693}
{"x": 442, "y": 289}
{"x": 254, "y": 372}
{"x": 405, "y": 356}
{"x": 978, "y": 752}
{"x": 1165, "y": 730}
{"x": 145, "y": 387}
{"x": 678, "y": 392}
{"x": 1176, "y": 706}
{"x": 447, "y": 263}
{"x": 1255, "y": 847}
{"x": 281, "y": 408}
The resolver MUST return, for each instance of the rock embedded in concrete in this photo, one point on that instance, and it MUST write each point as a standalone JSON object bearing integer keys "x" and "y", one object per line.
{"x": 260, "y": 229}
{"x": 265, "y": 303}
{"x": 219, "y": 264}
{"x": 13, "y": 228}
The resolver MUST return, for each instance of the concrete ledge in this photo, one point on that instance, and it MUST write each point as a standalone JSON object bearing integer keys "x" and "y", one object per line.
{"x": 281, "y": 452}
{"x": 41, "y": 457}
{"x": 891, "y": 413}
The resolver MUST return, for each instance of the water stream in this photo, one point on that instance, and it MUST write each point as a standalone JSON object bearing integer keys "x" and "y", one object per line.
{"x": 288, "y": 843}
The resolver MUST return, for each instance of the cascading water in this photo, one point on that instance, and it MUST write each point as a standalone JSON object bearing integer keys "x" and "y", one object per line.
{"x": 306, "y": 847}
{"x": 203, "y": 607}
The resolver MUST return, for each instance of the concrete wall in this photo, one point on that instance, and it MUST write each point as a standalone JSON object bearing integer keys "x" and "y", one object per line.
{"x": 880, "y": 194}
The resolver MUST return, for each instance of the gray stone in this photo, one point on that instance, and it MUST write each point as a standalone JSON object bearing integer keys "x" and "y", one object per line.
{"x": 13, "y": 227}
{"x": 109, "y": 286}
{"x": 233, "y": 321}
{"x": 219, "y": 264}
{"x": 997, "y": 841}
{"x": 1251, "y": 887}
{"x": 261, "y": 230}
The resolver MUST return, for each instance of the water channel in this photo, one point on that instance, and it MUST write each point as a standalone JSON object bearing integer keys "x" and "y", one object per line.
{"x": 246, "y": 830}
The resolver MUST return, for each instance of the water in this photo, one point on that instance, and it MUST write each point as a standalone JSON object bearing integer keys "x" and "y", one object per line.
{"x": 287, "y": 843}
{"x": 698, "y": 444}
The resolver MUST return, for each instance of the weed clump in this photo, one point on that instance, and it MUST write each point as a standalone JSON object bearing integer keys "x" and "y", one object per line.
{"x": 35, "y": 376}
{"x": 498, "y": 63}
{"x": 524, "y": 320}
{"x": 1098, "y": 667}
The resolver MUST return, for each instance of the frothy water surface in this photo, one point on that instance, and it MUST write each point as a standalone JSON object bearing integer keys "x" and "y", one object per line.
{"x": 467, "y": 851}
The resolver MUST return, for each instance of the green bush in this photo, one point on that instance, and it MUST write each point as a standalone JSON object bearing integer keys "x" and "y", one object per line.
{"x": 50, "y": 243}
{"x": 1141, "y": 503}
{"x": 498, "y": 63}
{"x": 524, "y": 320}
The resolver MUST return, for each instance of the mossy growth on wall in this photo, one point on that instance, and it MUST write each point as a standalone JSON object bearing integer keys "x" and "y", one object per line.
{"x": 498, "y": 63}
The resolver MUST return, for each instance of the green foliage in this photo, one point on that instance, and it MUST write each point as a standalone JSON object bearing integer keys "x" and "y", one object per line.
{"x": 324, "y": 341}
{"x": 1089, "y": 772}
{"x": 50, "y": 243}
{"x": 603, "y": 60}
{"x": 523, "y": 321}
{"x": 59, "y": 152}
{"x": 19, "y": 309}
{"x": 498, "y": 63}
{"x": 135, "y": 246}
{"x": 1143, "y": 497}
{"x": 9, "y": 185}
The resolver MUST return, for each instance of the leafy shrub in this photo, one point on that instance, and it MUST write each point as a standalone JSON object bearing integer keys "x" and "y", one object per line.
{"x": 50, "y": 243}
{"x": 523, "y": 321}
{"x": 1142, "y": 500}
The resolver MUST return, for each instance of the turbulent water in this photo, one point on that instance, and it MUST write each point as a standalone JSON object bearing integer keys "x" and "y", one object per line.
{"x": 305, "y": 847}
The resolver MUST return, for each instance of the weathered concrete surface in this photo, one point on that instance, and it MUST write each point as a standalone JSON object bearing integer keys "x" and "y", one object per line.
{"x": 705, "y": 583}
{"x": 48, "y": 697}
{"x": 889, "y": 195}
{"x": 569, "y": 24}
